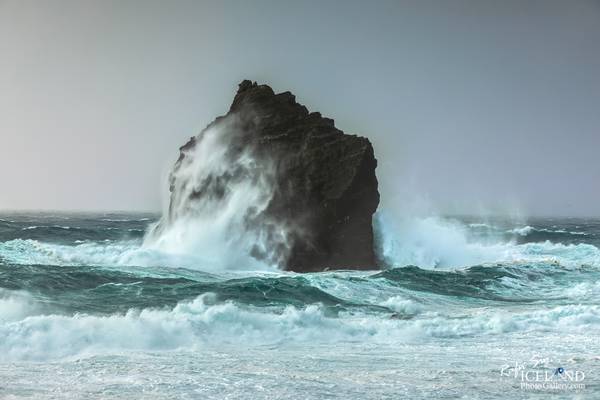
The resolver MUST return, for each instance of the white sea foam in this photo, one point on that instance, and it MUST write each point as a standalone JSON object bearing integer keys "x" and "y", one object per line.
{"x": 203, "y": 323}
{"x": 402, "y": 305}
{"x": 16, "y": 305}
{"x": 124, "y": 219}
{"x": 107, "y": 253}
{"x": 579, "y": 233}
{"x": 28, "y": 228}
{"x": 524, "y": 231}
{"x": 427, "y": 243}
{"x": 433, "y": 242}
{"x": 216, "y": 194}
{"x": 583, "y": 291}
{"x": 481, "y": 225}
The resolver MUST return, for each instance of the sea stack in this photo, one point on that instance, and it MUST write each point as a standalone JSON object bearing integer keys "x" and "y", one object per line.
{"x": 309, "y": 190}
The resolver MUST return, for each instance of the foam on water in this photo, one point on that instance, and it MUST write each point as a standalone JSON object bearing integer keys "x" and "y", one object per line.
{"x": 16, "y": 305}
{"x": 109, "y": 318}
{"x": 434, "y": 242}
{"x": 217, "y": 191}
{"x": 29, "y": 252}
{"x": 524, "y": 231}
{"x": 107, "y": 253}
{"x": 429, "y": 242}
{"x": 203, "y": 323}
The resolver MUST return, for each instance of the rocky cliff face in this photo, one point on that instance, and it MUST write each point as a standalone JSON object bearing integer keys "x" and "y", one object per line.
{"x": 301, "y": 190}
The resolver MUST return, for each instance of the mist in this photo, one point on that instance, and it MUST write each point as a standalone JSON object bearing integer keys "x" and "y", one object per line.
{"x": 472, "y": 106}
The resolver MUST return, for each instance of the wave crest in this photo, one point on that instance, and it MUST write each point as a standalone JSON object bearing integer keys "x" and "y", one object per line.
{"x": 203, "y": 322}
{"x": 434, "y": 242}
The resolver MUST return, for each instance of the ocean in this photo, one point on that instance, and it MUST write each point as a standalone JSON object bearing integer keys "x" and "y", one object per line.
{"x": 465, "y": 307}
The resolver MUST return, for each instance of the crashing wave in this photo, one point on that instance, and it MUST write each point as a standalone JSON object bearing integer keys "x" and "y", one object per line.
{"x": 203, "y": 323}
{"x": 434, "y": 242}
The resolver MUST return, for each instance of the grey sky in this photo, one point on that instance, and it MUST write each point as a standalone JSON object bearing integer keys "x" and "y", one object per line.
{"x": 473, "y": 106}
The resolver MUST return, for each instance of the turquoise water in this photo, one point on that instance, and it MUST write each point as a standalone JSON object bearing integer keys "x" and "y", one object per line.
{"x": 88, "y": 310}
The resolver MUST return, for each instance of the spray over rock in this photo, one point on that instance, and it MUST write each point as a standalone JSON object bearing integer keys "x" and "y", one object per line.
{"x": 271, "y": 183}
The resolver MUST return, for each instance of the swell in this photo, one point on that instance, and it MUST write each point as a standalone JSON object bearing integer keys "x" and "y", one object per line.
{"x": 98, "y": 290}
{"x": 69, "y": 234}
{"x": 576, "y": 232}
{"x": 73, "y": 228}
{"x": 447, "y": 255}
{"x": 556, "y": 236}
{"x": 72, "y": 289}
{"x": 505, "y": 283}
{"x": 115, "y": 276}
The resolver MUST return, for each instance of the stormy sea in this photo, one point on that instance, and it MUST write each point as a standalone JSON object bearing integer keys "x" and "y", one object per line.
{"x": 463, "y": 308}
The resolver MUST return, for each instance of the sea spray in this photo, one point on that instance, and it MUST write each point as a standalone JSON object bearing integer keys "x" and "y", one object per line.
{"x": 204, "y": 322}
{"x": 76, "y": 312}
{"x": 437, "y": 242}
{"x": 272, "y": 184}
{"x": 218, "y": 191}
{"x": 431, "y": 242}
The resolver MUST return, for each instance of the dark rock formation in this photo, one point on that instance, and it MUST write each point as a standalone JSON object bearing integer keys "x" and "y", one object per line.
{"x": 322, "y": 190}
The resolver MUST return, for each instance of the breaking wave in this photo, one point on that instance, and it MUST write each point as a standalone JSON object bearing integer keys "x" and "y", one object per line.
{"x": 202, "y": 322}
{"x": 106, "y": 253}
{"x": 434, "y": 242}
{"x": 429, "y": 242}
{"x": 73, "y": 297}
{"x": 219, "y": 191}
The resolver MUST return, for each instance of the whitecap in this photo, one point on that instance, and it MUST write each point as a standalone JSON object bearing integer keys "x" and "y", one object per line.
{"x": 204, "y": 323}
{"x": 524, "y": 231}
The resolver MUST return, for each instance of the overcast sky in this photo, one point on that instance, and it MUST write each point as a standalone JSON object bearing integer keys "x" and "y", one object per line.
{"x": 472, "y": 106}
